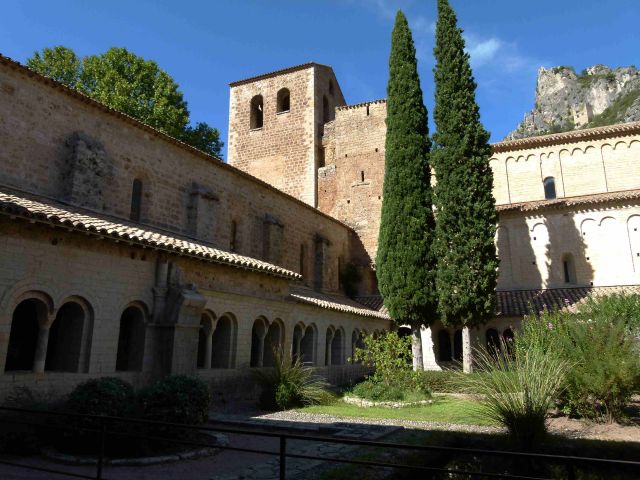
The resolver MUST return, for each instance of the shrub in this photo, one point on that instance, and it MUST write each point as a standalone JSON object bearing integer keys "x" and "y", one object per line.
{"x": 390, "y": 355}
{"x": 394, "y": 378}
{"x": 18, "y": 438}
{"x": 517, "y": 391}
{"x": 438, "y": 381}
{"x": 107, "y": 396}
{"x": 379, "y": 392}
{"x": 289, "y": 384}
{"x": 102, "y": 396}
{"x": 176, "y": 399}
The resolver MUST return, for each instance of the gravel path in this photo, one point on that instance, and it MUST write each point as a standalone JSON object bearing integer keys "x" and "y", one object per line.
{"x": 292, "y": 416}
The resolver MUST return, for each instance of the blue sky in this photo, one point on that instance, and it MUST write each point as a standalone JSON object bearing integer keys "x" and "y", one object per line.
{"x": 205, "y": 45}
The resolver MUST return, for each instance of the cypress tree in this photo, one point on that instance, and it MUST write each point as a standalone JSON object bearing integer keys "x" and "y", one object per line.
{"x": 405, "y": 262}
{"x": 466, "y": 215}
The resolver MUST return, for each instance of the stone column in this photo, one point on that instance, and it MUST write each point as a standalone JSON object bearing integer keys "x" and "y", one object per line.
{"x": 327, "y": 354}
{"x": 467, "y": 352}
{"x": 41, "y": 349}
{"x": 208, "y": 345}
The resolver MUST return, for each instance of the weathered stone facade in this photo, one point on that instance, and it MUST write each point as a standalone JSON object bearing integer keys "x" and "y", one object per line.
{"x": 569, "y": 208}
{"x": 128, "y": 253}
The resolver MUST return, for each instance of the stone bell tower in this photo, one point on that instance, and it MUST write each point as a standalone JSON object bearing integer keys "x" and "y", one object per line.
{"x": 276, "y": 124}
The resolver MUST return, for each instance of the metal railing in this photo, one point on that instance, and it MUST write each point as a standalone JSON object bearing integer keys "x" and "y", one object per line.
{"x": 106, "y": 424}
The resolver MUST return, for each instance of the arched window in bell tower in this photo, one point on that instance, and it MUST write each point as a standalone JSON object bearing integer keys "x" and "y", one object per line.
{"x": 283, "y": 101}
{"x": 257, "y": 114}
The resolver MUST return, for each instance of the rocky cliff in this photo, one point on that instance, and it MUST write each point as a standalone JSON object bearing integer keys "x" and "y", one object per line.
{"x": 566, "y": 100}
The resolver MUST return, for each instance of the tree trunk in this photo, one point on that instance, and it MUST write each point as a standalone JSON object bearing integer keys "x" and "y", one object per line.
{"x": 467, "y": 351}
{"x": 416, "y": 347}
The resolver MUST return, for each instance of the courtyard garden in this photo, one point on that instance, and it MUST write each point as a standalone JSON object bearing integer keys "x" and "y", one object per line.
{"x": 570, "y": 370}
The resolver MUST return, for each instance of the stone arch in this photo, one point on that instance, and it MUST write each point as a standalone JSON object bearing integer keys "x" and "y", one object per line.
{"x": 524, "y": 179}
{"x": 131, "y": 337}
{"x": 258, "y": 332}
{"x": 633, "y": 235}
{"x": 444, "y": 346}
{"x": 583, "y": 171}
{"x": 256, "y": 115}
{"x": 328, "y": 342}
{"x": 309, "y": 345}
{"x": 207, "y": 326}
{"x": 569, "y": 269}
{"x": 28, "y": 334}
{"x": 354, "y": 343}
{"x": 457, "y": 345}
{"x": 501, "y": 183}
{"x": 24, "y": 292}
{"x": 283, "y": 100}
{"x": 337, "y": 347}
{"x": 508, "y": 339}
{"x": 70, "y": 334}
{"x": 223, "y": 342}
{"x": 298, "y": 335}
{"x": 503, "y": 250}
{"x": 273, "y": 342}
{"x": 492, "y": 342}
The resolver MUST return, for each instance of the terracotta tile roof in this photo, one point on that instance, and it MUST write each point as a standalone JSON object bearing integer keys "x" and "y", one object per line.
{"x": 567, "y": 137}
{"x": 8, "y": 62}
{"x": 339, "y": 303}
{"x": 35, "y": 208}
{"x": 517, "y": 303}
{"x": 274, "y": 73}
{"x": 570, "y": 201}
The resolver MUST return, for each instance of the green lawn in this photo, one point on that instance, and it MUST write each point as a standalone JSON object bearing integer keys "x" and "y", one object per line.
{"x": 443, "y": 410}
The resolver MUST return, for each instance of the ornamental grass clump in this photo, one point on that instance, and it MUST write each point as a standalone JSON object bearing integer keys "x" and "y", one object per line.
{"x": 600, "y": 342}
{"x": 517, "y": 391}
{"x": 289, "y": 384}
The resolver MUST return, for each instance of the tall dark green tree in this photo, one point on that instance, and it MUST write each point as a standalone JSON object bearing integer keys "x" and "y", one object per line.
{"x": 405, "y": 262}
{"x": 130, "y": 84}
{"x": 466, "y": 214}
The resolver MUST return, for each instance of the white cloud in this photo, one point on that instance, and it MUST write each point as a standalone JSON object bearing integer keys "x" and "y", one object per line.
{"x": 485, "y": 51}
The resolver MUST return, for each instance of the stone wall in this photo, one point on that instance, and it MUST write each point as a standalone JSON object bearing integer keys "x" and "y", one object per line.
{"x": 47, "y": 133}
{"x": 350, "y": 185}
{"x": 60, "y": 267}
{"x": 581, "y": 167}
{"x": 601, "y": 244}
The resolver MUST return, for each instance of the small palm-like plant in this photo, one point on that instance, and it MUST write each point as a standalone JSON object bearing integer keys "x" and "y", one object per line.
{"x": 518, "y": 390}
{"x": 289, "y": 384}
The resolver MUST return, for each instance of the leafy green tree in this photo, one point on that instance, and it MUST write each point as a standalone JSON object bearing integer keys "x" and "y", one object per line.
{"x": 137, "y": 87}
{"x": 405, "y": 262}
{"x": 132, "y": 85}
{"x": 58, "y": 63}
{"x": 466, "y": 215}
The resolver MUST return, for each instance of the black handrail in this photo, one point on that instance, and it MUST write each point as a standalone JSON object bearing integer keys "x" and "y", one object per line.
{"x": 568, "y": 460}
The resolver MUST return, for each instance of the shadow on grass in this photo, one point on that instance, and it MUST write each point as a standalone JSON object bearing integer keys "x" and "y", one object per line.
{"x": 554, "y": 445}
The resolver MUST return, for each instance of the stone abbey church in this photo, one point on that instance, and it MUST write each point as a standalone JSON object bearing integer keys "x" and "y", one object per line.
{"x": 125, "y": 252}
